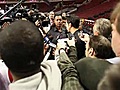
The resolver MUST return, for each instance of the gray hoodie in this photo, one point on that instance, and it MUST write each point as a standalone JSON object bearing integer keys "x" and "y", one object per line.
{"x": 48, "y": 79}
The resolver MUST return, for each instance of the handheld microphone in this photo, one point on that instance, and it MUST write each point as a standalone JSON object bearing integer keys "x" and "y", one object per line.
{"x": 47, "y": 41}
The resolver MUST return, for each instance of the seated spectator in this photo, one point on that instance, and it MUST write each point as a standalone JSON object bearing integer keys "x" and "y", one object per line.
{"x": 21, "y": 46}
{"x": 91, "y": 69}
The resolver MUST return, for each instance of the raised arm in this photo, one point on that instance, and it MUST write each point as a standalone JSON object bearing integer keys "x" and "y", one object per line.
{"x": 70, "y": 79}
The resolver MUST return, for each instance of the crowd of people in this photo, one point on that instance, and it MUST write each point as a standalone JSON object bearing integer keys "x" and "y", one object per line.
{"x": 56, "y": 52}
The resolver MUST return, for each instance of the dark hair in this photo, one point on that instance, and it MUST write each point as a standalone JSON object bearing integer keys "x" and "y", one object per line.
{"x": 57, "y": 15}
{"x": 74, "y": 20}
{"x": 64, "y": 18}
{"x": 101, "y": 46}
{"x": 21, "y": 46}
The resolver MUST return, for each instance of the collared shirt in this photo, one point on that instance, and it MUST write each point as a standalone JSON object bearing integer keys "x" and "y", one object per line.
{"x": 54, "y": 34}
{"x": 114, "y": 60}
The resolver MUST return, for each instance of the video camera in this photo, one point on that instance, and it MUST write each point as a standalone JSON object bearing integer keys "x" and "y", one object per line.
{"x": 32, "y": 15}
{"x": 21, "y": 13}
{"x": 44, "y": 21}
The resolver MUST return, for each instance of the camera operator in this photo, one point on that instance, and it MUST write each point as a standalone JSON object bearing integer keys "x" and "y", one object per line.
{"x": 40, "y": 20}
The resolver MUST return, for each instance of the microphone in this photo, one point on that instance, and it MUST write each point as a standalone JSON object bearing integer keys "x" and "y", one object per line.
{"x": 47, "y": 55}
{"x": 47, "y": 41}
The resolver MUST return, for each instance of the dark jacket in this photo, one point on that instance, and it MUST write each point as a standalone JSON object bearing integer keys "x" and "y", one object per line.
{"x": 90, "y": 71}
{"x": 80, "y": 45}
{"x": 70, "y": 79}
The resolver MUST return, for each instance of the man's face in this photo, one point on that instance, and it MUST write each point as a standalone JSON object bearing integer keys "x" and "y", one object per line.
{"x": 58, "y": 21}
{"x": 51, "y": 15}
{"x": 115, "y": 39}
{"x": 64, "y": 14}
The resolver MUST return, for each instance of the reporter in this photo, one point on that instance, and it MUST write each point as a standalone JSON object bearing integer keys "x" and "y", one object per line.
{"x": 91, "y": 68}
{"x": 21, "y": 48}
{"x": 70, "y": 79}
{"x": 111, "y": 79}
{"x": 72, "y": 25}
